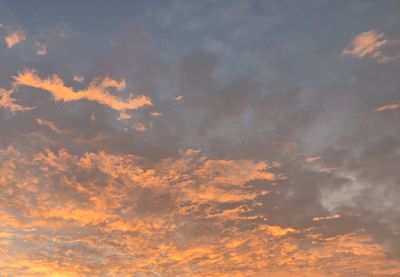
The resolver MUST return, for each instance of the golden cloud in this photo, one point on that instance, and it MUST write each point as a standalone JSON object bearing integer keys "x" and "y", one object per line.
{"x": 388, "y": 107}
{"x": 97, "y": 91}
{"x": 15, "y": 38}
{"x": 93, "y": 214}
{"x": 369, "y": 44}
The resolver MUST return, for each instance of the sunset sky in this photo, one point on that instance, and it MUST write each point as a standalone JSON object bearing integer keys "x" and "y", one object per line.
{"x": 207, "y": 138}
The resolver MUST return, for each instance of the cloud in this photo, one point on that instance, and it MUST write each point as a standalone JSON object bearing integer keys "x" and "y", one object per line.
{"x": 288, "y": 135}
{"x": 96, "y": 91}
{"x": 319, "y": 218}
{"x": 7, "y": 102}
{"x": 120, "y": 214}
{"x": 49, "y": 124}
{"x": 140, "y": 127}
{"x": 78, "y": 78}
{"x": 179, "y": 98}
{"x": 369, "y": 44}
{"x": 388, "y": 107}
{"x": 156, "y": 114}
{"x": 15, "y": 38}
{"x": 277, "y": 231}
{"x": 124, "y": 116}
{"x": 41, "y": 49}
{"x": 312, "y": 159}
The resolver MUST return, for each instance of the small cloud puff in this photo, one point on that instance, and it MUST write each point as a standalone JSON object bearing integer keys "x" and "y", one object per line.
{"x": 369, "y": 44}
{"x": 15, "y": 38}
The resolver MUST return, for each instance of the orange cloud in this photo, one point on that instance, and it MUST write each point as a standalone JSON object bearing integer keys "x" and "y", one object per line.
{"x": 313, "y": 159}
{"x": 124, "y": 116}
{"x": 96, "y": 91}
{"x": 319, "y": 218}
{"x": 140, "y": 127}
{"x": 81, "y": 216}
{"x": 234, "y": 172}
{"x": 78, "y": 78}
{"x": 49, "y": 124}
{"x": 7, "y": 102}
{"x": 156, "y": 114}
{"x": 277, "y": 231}
{"x": 98, "y": 213}
{"x": 15, "y": 38}
{"x": 369, "y": 44}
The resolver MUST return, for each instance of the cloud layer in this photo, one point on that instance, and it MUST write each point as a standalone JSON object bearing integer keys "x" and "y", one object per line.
{"x": 200, "y": 138}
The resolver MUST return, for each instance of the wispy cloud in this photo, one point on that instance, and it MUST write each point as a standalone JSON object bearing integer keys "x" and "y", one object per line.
{"x": 369, "y": 44}
{"x": 156, "y": 114}
{"x": 15, "y": 38}
{"x": 7, "y": 102}
{"x": 49, "y": 124}
{"x": 388, "y": 107}
{"x": 124, "y": 116}
{"x": 179, "y": 98}
{"x": 140, "y": 127}
{"x": 97, "y": 91}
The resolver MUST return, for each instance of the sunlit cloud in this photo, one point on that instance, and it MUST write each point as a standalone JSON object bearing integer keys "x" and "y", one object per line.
{"x": 369, "y": 44}
{"x": 96, "y": 91}
{"x": 140, "y": 127}
{"x": 124, "y": 116}
{"x": 7, "y": 102}
{"x": 388, "y": 107}
{"x": 319, "y": 218}
{"x": 312, "y": 159}
{"x": 15, "y": 38}
{"x": 90, "y": 220}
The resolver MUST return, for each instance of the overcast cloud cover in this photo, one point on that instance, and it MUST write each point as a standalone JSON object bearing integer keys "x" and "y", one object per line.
{"x": 200, "y": 138}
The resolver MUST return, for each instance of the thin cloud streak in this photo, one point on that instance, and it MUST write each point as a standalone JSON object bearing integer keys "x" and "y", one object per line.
{"x": 96, "y": 91}
{"x": 14, "y": 38}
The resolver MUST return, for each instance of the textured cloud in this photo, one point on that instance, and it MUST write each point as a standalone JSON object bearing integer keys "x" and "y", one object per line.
{"x": 366, "y": 44}
{"x": 7, "y": 102}
{"x": 78, "y": 78}
{"x": 79, "y": 204}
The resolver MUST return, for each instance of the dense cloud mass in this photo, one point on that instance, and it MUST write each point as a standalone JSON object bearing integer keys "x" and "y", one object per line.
{"x": 200, "y": 138}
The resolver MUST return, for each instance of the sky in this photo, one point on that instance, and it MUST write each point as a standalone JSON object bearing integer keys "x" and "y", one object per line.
{"x": 200, "y": 138}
